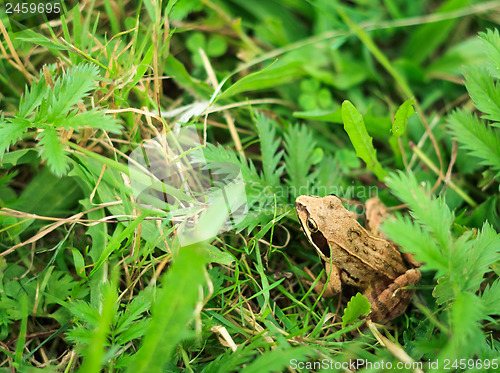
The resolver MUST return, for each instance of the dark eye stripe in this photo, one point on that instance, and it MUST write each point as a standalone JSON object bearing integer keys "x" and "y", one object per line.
{"x": 321, "y": 243}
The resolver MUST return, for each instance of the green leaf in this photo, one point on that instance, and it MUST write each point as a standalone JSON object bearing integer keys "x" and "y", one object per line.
{"x": 491, "y": 44}
{"x": 33, "y": 97}
{"x": 92, "y": 119}
{"x": 271, "y": 157}
{"x": 491, "y": 298}
{"x": 466, "y": 314}
{"x": 10, "y": 131}
{"x": 182, "y": 8}
{"x": 321, "y": 115}
{"x": 115, "y": 242}
{"x": 216, "y": 255}
{"x": 133, "y": 331}
{"x": 85, "y": 312}
{"x": 71, "y": 88}
{"x": 22, "y": 330}
{"x": 216, "y": 46}
{"x": 479, "y": 139}
{"x": 362, "y": 142}
{"x": 79, "y": 262}
{"x": 253, "y": 181}
{"x": 428, "y": 37}
{"x": 176, "y": 306}
{"x": 181, "y": 76}
{"x": 36, "y": 38}
{"x": 59, "y": 287}
{"x": 277, "y": 360}
{"x": 465, "y": 53}
{"x": 299, "y": 158}
{"x": 52, "y": 151}
{"x": 443, "y": 291}
{"x": 433, "y": 214}
{"x": 141, "y": 69}
{"x": 17, "y": 157}
{"x": 134, "y": 311}
{"x": 358, "y": 306}
{"x": 401, "y": 117}
{"x": 271, "y": 76}
{"x": 95, "y": 350}
{"x": 413, "y": 239}
{"x": 480, "y": 254}
{"x": 484, "y": 91}
{"x": 48, "y": 195}
{"x": 195, "y": 41}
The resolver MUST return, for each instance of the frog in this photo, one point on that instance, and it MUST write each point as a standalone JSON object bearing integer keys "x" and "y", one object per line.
{"x": 355, "y": 256}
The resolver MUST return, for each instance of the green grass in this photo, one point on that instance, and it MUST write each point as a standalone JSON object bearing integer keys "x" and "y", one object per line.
{"x": 395, "y": 98}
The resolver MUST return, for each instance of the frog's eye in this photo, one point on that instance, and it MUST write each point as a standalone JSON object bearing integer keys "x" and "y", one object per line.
{"x": 311, "y": 224}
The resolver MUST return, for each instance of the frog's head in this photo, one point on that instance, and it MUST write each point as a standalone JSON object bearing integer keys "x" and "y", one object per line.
{"x": 315, "y": 215}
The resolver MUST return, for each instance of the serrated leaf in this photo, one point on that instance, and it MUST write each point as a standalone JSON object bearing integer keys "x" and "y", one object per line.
{"x": 358, "y": 306}
{"x": 133, "y": 331}
{"x": 482, "y": 252}
{"x": 466, "y": 313}
{"x": 443, "y": 291}
{"x": 484, "y": 91}
{"x": 85, "y": 312}
{"x": 401, "y": 117}
{"x": 71, "y": 88}
{"x": 140, "y": 304}
{"x": 52, "y": 151}
{"x": 362, "y": 142}
{"x": 491, "y": 43}
{"x": 479, "y": 139}
{"x": 96, "y": 347}
{"x": 299, "y": 158}
{"x": 432, "y": 213}
{"x": 269, "y": 150}
{"x": 10, "y": 131}
{"x": 491, "y": 298}
{"x": 92, "y": 119}
{"x": 33, "y": 97}
{"x": 256, "y": 200}
{"x": 413, "y": 239}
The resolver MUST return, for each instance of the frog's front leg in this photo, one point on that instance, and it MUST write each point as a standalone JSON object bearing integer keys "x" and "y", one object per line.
{"x": 392, "y": 302}
{"x": 333, "y": 286}
{"x": 333, "y": 283}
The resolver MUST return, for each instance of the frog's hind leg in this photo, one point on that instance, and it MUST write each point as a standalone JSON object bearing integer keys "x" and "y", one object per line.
{"x": 392, "y": 302}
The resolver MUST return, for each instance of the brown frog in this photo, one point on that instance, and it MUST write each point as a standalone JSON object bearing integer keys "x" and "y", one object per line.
{"x": 353, "y": 256}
